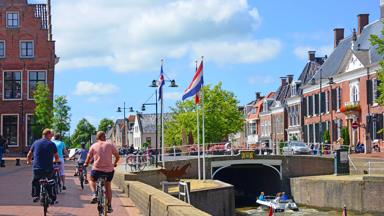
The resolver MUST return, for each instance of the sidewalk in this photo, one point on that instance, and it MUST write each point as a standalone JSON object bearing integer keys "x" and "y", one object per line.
{"x": 15, "y": 198}
{"x": 373, "y": 155}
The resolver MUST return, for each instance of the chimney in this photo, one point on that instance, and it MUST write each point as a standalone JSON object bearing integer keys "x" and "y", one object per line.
{"x": 49, "y": 20}
{"x": 289, "y": 78}
{"x": 257, "y": 95}
{"x": 381, "y": 9}
{"x": 311, "y": 55}
{"x": 283, "y": 81}
{"x": 339, "y": 35}
{"x": 362, "y": 20}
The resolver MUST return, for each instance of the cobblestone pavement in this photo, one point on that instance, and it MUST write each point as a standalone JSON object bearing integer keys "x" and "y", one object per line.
{"x": 15, "y": 198}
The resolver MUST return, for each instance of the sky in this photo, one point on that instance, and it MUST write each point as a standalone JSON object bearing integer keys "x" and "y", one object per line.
{"x": 111, "y": 50}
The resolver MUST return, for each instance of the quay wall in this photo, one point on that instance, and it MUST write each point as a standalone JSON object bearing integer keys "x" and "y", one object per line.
{"x": 358, "y": 193}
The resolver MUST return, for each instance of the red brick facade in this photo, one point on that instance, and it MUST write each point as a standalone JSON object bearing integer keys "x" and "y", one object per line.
{"x": 29, "y": 53}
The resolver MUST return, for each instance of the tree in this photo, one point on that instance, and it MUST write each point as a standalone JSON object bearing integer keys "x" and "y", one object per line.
{"x": 345, "y": 135}
{"x": 104, "y": 124}
{"x": 43, "y": 112}
{"x": 83, "y": 132}
{"x": 379, "y": 43}
{"x": 222, "y": 117}
{"x": 326, "y": 137}
{"x": 61, "y": 115}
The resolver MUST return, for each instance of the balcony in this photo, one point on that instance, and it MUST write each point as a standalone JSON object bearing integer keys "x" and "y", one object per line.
{"x": 351, "y": 108}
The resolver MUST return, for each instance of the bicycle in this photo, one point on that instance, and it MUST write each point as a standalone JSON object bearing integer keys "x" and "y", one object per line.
{"x": 137, "y": 161}
{"x": 82, "y": 174}
{"x": 56, "y": 177}
{"x": 44, "y": 195}
{"x": 102, "y": 201}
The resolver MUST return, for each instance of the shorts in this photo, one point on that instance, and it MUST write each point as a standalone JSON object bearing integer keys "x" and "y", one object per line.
{"x": 95, "y": 174}
{"x": 61, "y": 166}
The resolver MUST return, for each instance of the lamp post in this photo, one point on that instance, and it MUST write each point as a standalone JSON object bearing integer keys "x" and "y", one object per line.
{"x": 154, "y": 85}
{"x": 124, "y": 137}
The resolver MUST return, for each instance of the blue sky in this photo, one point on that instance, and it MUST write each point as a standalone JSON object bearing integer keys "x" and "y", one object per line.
{"x": 110, "y": 50}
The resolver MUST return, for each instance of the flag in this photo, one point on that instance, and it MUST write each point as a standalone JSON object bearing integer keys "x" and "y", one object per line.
{"x": 270, "y": 211}
{"x": 160, "y": 83}
{"x": 196, "y": 84}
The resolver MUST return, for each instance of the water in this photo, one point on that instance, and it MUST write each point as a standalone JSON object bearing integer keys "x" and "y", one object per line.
{"x": 254, "y": 211}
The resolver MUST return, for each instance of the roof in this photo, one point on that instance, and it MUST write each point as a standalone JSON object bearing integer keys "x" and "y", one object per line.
{"x": 363, "y": 43}
{"x": 310, "y": 69}
{"x": 282, "y": 93}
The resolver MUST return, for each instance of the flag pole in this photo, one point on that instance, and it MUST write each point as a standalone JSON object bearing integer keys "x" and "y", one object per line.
{"x": 202, "y": 105}
{"x": 198, "y": 138}
{"x": 162, "y": 124}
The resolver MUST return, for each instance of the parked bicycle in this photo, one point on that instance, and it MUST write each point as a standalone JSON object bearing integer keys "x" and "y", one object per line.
{"x": 138, "y": 161}
{"x": 45, "y": 199}
{"x": 102, "y": 200}
{"x": 56, "y": 177}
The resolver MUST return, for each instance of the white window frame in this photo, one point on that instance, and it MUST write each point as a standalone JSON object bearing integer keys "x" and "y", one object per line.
{"x": 314, "y": 105}
{"x": 374, "y": 90}
{"x": 3, "y": 56}
{"x": 18, "y": 128}
{"x": 18, "y": 19}
{"x": 307, "y": 106}
{"x": 46, "y": 80}
{"x": 327, "y": 102}
{"x": 20, "y": 49}
{"x": 21, "y": 87}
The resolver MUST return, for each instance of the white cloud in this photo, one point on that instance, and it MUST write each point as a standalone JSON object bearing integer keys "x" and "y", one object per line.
{"x": 261, "y": 80}
{"x": 302, "y": 51}
{"x": 173, "y": 95}
{"x": 133, "y": 35}
{"x": 92, "y": 89}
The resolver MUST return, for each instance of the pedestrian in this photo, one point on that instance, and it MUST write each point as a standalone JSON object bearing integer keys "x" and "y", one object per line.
{"x": 101, "y": 152}
{"x": 61, "y": 150}
{"x": 42, "y": 151}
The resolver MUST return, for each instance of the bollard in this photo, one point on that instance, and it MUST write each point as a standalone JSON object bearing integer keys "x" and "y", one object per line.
{"x": 17, "y": 162}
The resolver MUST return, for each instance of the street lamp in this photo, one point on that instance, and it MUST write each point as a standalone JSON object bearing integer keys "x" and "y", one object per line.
{"x": 143, "y": 109}
{"x": 124, "y": 134}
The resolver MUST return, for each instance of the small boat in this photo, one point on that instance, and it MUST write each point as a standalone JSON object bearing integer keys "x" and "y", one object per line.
{"x": 278, "y": 206}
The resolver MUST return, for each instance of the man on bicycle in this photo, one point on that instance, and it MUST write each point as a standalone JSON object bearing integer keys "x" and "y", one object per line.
{"x": 83, "y": 152}
{"x": 42, "y": 150}
{"x": 101, "y": 152}
{"x": 61, "y": 150}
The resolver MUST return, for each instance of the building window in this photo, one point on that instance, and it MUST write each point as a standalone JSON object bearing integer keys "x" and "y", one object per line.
{"x": 12, "y": 19}
{"x": 34, "y": 78}
{"x": 338, "y": 98}
{"x": 26, "y": 49}
{"x": 12, "y": 85}
{"x": 374, "y": 90}
{"x": 354, "y": 94}
{"x": 326, "y": 101}
{"x": 10, "y": 129}
{"x": 2, "y": 49}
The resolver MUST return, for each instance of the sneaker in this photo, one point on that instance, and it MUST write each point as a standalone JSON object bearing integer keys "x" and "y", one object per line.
{"x": 94, "y": 198}
{"x": 64, "y": 188}
{"x": 35, "y": 199}
{"x": 110, "y": 210}
{"x": 75, "y": 174}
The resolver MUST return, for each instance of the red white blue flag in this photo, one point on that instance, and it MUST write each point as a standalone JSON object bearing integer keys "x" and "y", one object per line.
{"x": 196, "y": 84}
{"x": 160, "y": 83}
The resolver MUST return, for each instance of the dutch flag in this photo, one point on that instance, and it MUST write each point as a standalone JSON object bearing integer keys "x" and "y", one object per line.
{"x": 196, "y": 84}
{"x": 160, "y": 83}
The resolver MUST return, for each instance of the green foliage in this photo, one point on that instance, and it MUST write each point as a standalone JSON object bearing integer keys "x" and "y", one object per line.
{"x": 222, "y": 117}
{"x": 104, "y": 124}
{"x": 293, "y": 137}
{"x": 83, "y": 132}
{"x": 61, "y": 115}
{"x": 326, "y": 137}
{"x": 43, "y": 113}
{"x": 145, "y": 145}
{"x": 379, "y": 43}
{"x": 345, "y": 135}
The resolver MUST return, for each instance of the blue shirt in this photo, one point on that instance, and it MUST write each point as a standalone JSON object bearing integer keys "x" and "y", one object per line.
{"x": 83, "y": 155}
{"x": 43, "y": 151}
{"x": 60, "y": 148}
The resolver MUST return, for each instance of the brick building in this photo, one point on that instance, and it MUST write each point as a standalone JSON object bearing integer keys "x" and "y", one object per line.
{"x": 27, "y": 57}
{"x": 348, "y": 89}
{"x": 265, "y": 115}
{"x": 252, "y": 120}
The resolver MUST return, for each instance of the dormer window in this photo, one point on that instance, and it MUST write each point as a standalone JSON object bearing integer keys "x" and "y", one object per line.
{"x": 265, "y": 106}
{"x": 12, "y": 19}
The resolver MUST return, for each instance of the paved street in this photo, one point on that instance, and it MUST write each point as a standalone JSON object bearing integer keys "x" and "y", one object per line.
{"x": 15, "y": 199}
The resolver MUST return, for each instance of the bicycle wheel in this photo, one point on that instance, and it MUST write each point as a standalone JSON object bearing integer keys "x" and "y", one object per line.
{"x": 58, "y": 183}
{"x": 131, "y": 161}
{"x": 81, "y": 177}
{"x": 105, "y": 203}
{"x": 45, "y": 201}
{"x": 100, "y": 199}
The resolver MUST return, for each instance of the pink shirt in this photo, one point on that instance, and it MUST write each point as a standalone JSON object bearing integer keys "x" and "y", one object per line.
{"x": 102, "y": 152}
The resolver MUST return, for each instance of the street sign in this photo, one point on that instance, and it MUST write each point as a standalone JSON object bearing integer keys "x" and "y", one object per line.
{"x": 355, "y": 125}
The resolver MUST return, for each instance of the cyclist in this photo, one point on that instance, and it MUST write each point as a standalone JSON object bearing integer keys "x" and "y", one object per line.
{"x": 42, "y": 150}
{"x": 60, "y": 145}
{"x": 82, "y": 157}
{"x": 101, "y": 152}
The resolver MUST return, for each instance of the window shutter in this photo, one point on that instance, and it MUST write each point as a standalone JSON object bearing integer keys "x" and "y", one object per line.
{"x": 334, "y": 130}
{"x": 339, "y": 98}
{"x": 369, "y": 126}
{"x": 305, "y": 130}
{"x": 304, "y": 106}
{"x": 379, "y": 125}
{"x": 377, "y": 88}
{"x": 322, "y": 102}
{"x": 317, "y": 132}
{"x": 311, "y": 137}
{"x": 369, "y": 92}
{"x": 310, "y": 99}
{"x": 317, "y": 106}
{"x": 334, "y": 99}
